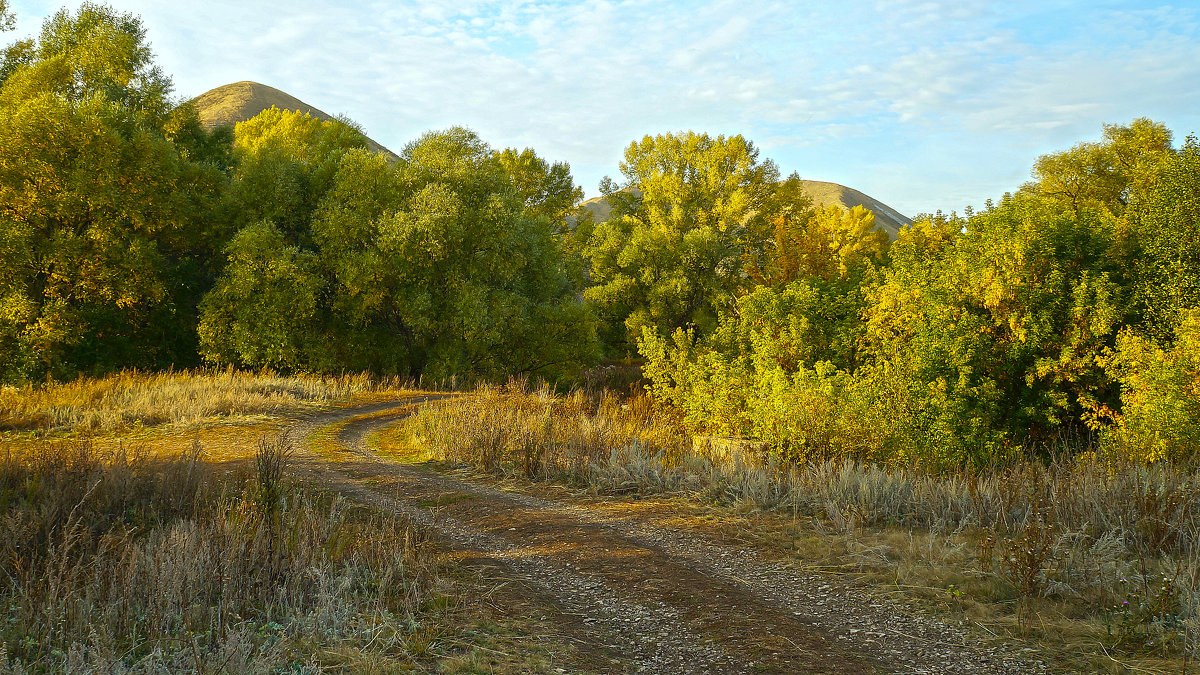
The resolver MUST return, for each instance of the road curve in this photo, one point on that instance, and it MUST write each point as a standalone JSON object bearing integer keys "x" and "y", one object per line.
{"x": 652, "y": 600}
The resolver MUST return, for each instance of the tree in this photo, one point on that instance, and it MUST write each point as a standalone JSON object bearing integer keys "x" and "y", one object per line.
{"x": 995, "y": 329}
{"x": 440, "y": 264}
{"x": 1101, "y": 175}
{"x": 690, "y": 214}
{"x": 286, "y": 162}
{"x": 1165, "y": 225}
{"x": 546, "y": 189}
{"x": 99, "y": 212}
{"x": 16, "y": 54}
{"x": 263, "y": 309}
{"x": 430, "y": 266}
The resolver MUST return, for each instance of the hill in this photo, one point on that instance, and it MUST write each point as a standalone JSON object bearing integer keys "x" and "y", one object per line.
{"x": 240, "y": 101}
{"x": 822, "y": 193}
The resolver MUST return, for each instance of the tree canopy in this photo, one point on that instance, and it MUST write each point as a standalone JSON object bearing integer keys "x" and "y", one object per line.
{"x": 97, "y": 205}
{"x": 691, "y": 211}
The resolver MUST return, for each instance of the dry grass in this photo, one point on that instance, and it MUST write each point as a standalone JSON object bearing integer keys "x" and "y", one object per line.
{"x": 1097, "y": 564}
{"x": 130, "y": 400}
{"x": 128, "y": 562}
{"x": 535, "y": 433}
{"x": 153, "y": 531}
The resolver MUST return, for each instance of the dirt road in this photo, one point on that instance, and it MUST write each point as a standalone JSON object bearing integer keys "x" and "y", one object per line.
{"x": 635, "y": 596}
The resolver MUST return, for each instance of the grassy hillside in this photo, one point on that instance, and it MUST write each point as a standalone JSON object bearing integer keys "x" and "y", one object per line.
{"x": 238, "y": 102}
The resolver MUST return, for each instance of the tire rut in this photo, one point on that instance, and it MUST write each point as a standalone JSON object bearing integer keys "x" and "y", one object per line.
{"x": 666, "y": 601}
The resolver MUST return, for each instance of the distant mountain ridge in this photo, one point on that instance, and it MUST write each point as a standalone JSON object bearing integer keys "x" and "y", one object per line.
{"x": 240, "y": 101}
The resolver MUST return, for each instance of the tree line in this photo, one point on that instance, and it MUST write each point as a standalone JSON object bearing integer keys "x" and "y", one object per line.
{"x": 1063, "y": 316}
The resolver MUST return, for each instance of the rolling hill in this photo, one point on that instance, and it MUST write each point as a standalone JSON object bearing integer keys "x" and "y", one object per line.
{"x": 240, "y": 101}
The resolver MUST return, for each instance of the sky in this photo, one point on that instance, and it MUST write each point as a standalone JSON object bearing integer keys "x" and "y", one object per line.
{"x": 922, "y": 104}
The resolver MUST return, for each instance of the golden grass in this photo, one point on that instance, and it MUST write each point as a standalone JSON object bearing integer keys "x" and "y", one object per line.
{"x": 129, "y": 562}
{"x": 138, "y": 538}
{"x": 131, "y": 400}
{"x": 1097, "y": 566}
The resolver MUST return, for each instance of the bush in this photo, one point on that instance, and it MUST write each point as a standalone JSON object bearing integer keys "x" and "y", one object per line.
{"x": 1160, "y": 396}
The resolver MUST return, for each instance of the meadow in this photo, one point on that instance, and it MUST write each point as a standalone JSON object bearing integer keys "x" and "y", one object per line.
{"x": 1092, "y": 562}
{"x": 156, "y": 523}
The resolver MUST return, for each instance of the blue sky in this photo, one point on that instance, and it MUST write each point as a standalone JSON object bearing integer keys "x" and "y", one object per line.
{"x": 923, "y": 104}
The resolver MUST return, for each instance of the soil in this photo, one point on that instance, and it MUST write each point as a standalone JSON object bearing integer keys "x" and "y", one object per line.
{"x": 633, "y": 595}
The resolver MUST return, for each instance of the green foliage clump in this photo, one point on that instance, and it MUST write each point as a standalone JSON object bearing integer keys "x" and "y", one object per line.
{"x": 99, "y": 210}
{"x": 436, "y": 265}
{"x": 689, "y": 214}
{"x": 1159, "y": 416}
{"x": 969, "y": 340}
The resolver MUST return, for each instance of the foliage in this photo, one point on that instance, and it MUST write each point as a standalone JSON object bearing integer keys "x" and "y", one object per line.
{"x": 98, "y": 209}
{"x": 998, "y": 338}
{"x": 1101, "y": 176}
{"x": 436, "y": 265}
{"x": 779, "y": 367}
{"x": 286, "y": 162}
{"x": 1165, "y": 225}
{"x": 1159, "y": 417}
{"x": 263, "y": 309}
{"x": 828, "y": 244}
{"x": 547, "y": 190}
{"x": 672, "y": 254}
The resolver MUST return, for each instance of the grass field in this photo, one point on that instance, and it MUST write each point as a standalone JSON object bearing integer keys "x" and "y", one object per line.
{"x": 1096, "y": 565}
{"x": 151, "y": 524}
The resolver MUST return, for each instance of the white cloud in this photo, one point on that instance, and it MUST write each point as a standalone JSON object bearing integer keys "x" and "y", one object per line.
{"x": 931, "y": 99}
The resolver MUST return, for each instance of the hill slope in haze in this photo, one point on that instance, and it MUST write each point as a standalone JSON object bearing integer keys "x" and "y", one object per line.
{"x": 241, "y": 101}
{"x": 822, "y": 193}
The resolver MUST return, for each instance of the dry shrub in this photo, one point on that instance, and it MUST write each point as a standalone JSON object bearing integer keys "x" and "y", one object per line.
{"x": 131, "y": 563}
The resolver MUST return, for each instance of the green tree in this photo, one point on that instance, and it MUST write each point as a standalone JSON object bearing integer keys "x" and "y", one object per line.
{"x": 442, "y": 268}
{"x": 996, "y": 329}
{"x": 690, "y": 213}
{"x": 1165, "y": 230}
{"x": 546, "y": 189}
{"x": 784, "y": 366}
{"x": 1101, "y": 175}
{"x": 263, "y": 309}
{"x": 99, "y": 212}
{"x": 430, "y": 266}
{"x": 286, "y": 162}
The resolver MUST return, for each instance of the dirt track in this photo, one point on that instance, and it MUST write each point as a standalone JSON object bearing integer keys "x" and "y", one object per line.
{"x": 636, "y": 597}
